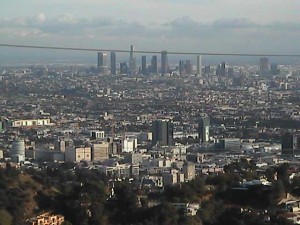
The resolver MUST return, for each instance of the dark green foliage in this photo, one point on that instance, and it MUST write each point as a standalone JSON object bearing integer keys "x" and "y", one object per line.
{"x": 82, "y": 196}
{"x": 236, "y": 217}
{"x": 123, "y": 206}
{"x": 210, "y": 211}
{"x": 245, "y": 197}
{"x": 163, "y": 214}
{"x": 5, "y": 218}
{"x": 295, "y": 186}
{"x": 11, "y": 198}
{"x": 282, "y": 174}
{"x": 66, "y": 223}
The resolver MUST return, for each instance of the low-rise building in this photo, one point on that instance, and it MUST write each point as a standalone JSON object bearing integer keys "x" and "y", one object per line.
{"x": 47, "y": 218}
{"x": 31, "y": 123}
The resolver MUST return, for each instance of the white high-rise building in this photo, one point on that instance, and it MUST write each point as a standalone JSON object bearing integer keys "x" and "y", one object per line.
{"x": 129, "y": 144}
{"x": 102, "y": 63}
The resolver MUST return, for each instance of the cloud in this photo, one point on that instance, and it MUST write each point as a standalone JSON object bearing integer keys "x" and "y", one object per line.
{"x": 234, "y": 23}
{"x": 182, "y": 33}
{"x": 41, "y": 17}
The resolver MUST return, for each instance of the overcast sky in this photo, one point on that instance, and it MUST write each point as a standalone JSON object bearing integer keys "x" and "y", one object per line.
{"x": 242, "y": 26}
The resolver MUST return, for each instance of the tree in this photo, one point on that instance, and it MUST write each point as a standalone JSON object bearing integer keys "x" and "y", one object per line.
{"x": 282, "y": 174}
{"x": 295, "y": 185}
{"x": 165, "y": 214}
{"x": 66, "y": 223}
{"x": 123, "y": 208}
{"x": 5, "y": 218}
{"x": 277, "y": 191}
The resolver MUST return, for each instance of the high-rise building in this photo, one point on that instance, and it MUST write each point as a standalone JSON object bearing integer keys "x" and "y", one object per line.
{"x": 290, "y": 144}
{"x": 132, "y": 62}
{"x": 199, "y": 65}
{"x": 129, "y": 144}
{"x": 100, "y": 151}
{"x": 102, "y": 63}
{"x": 131, "y": 52}
{"x": 221, "y": 69}
{"x": 123, "y": 68}
{"x": 113, "y": 63}
{"x": 264, "y": 66}
{"x": 181, "y": 68}
{"x": 203, "y": 129}
{"x": 154, "y": 64}
{"x": 162, "y": 132}
{"x": 274, "y": 69}
{"x": 207, "y": 70}
{"x": 144, "y": 65}
{"x": 164, "y": 62}
{"x": 188, "y": 67}
{"x": 78, "y": 154}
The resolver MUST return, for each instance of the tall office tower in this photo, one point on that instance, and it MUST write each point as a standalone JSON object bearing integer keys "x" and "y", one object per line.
{"x": 132, "y": 62}
{"x": 274, "y": 69}
{"x": 113, "y": 63}
{"x": 154, "y": 64}
{"x": 164, "y": 62}
{"x": 123, "y": 68}
{"x": 199, "y": 65}
{"x": 188, "y": 67}
{"x": 218, "y": 70}
{"x": 221, "y": 69}
{"x": 290, "y": 144}
{"x": 131, "y": 52}
{"x": 162, "y": 132}
{"x": 181, "y": 68}
{"x": 144, "y": 65}
{"x": 102, "y": 62}
{"x": 264, "y": 66}
{"x": 207, "y": 70}
{"x": 203, "y": 129}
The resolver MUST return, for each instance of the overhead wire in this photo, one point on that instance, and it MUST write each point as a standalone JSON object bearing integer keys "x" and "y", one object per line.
{"x": 148, "y": 52}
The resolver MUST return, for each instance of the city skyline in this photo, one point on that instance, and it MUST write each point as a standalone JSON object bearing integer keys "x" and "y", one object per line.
{"x": 141, "y": 62}
{"x": 185, "y": 26}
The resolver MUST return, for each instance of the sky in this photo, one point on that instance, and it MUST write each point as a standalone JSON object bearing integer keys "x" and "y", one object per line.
{"x": 229, "y": 26}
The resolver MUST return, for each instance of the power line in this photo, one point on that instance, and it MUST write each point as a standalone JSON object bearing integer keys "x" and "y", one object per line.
{"x": 140, "y": 51}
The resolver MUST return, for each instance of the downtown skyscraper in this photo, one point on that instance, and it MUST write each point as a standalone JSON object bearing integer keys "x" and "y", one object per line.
{"x": 113, "y": 63}
{"x": 132, "y": 62}
{"x": 199, "y": 65}
{"x": 154, "y": 68}
{"x": 164, "y": 62}
{"x": 264, "y": 66}
{"x": 102, "y": 63}
{"x": 144, "y": 65}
